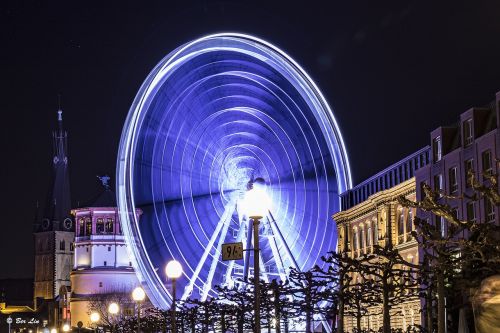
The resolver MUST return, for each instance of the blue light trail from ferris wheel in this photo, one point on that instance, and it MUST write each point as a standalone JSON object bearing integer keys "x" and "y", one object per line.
{"x": 212, "y": 116}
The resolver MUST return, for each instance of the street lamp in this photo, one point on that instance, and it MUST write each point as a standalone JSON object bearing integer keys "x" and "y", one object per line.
{"x": 257, "y": 205}
{"x": 138, "y": 296}
{"x": 173, "y": 271}
{"x": 94, "y": 318}
{"x": 66, "y": 327}
{"x": 53, "y": 330}
{"x": 113, "y": 309}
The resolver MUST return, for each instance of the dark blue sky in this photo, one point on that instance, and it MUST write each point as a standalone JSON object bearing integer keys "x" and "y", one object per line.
{"x": 391, "y": 72}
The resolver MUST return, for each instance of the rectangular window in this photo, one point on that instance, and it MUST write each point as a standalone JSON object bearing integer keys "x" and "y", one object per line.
{"x": 88, "y": 227}
{"x": 486, "y": 159}
{"x": 489, "y": 210}
{"x": 99, "y": 227}
{"x": 72, "y": 246}
{"x": 436, "y": 149}
{"x": 469, "y": 172}
{"x": 82, "y": 228}
{"x": 471, "y": 211}
{"x": 468, "y": 135}
{"x": 109, "y": 248}
{"x": 62, "y": 245}
{"x": 86, "y": 248}
{"x": 438, "y": 184}
{"x": 100, "y": 284}
{"x": 109, "y": 226}
{"x": 441, "y": 225}
{"x": 422, "y": 192}
{"x": 105, "y": 263}
{"x": 453, "y": 178}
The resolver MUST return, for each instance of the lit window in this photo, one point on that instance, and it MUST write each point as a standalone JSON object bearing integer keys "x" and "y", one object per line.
{"x": 436, "y": 149}
{"x": 469, "y": 172}
{"x": 369, "y": 241}
{"x": 88, "y": 227}
{"x": 401, "y": 227}
{"x": 109, "y": 226}
{"x": 453, "y": 178}
{"x": 468, "y": 136}
{"x": 489, "y": 209}
{"x": 82, "y": 228}
{"x": 409, "y": 224}
{"x": 99, "y": 227}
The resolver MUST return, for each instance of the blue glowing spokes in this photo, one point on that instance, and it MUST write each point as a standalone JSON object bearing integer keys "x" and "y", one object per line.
{"x": 212, "y": 116}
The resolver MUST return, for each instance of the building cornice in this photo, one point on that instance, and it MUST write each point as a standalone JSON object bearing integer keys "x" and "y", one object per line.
{"x": 375, "y": 201}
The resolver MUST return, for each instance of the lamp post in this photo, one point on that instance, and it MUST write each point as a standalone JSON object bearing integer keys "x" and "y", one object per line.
{"x": 257, "y": 206}
{"x": 173, "y": 271}
{"x": 138, "y": 296}
{"x": 94, "y": 318}
{"x": 113, "y": 309}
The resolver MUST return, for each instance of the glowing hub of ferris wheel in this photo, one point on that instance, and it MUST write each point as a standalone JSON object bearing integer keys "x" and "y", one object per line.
{"x": 215, "y": 116}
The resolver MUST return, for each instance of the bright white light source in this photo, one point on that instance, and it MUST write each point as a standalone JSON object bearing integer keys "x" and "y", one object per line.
{"x": 257, "y": 202}
{"x": 113, "y": 308}
{"x": 94, "y": 317}
{"x": 66, "y": 328}
{"x": 138, "y": 294}
{"x": 173, "y": 269}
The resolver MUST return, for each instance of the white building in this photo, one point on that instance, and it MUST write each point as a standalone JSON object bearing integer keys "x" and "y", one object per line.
{"x": 102, "y": 270}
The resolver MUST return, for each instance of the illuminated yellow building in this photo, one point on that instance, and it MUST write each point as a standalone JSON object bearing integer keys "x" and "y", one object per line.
{"x": 371, "y": 216}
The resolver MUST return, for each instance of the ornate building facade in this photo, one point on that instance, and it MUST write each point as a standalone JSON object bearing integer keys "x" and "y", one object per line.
{"x": 372, "y": 216}
{"x": 102, "y": 270}
{"x": 54, "y": 235}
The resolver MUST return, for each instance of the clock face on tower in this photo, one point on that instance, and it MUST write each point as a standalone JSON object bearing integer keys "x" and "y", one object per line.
{"x": 68, "y": 223}
{"x": 45, "y": 224}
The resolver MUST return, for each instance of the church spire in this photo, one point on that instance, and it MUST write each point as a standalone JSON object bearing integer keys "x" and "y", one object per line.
{"x": 59, "y": 200}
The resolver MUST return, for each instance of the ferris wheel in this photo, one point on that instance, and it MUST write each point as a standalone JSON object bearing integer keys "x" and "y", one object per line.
{"x": 215, "y": 116}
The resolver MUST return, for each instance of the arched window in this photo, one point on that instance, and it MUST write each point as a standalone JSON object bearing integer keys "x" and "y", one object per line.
{"x": 355, "y": 242}
{"x": 369, "y": 234}
{"x": 409, "y": 224}
{"x": 362, "y": 241}
{"x": 401, "y": 226}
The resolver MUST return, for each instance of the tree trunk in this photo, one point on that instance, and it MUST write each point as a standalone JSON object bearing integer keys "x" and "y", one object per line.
{"x": 340, "y": 328}
{"x": 385, "y": 306}
{"x": 428, "y": 309}
{"x": 441, "y": 303}
{"x": 241, "y": 318}
{"x": 358, "y": 315}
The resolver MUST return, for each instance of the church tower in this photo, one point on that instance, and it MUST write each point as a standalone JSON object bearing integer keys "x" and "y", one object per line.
{"x": 54, "y": 231}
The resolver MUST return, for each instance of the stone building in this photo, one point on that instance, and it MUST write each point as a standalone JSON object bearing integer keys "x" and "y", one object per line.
{"x": 471, "y": 144}
{"x": 54, "y": 236}
{"x": 372, "y": 216}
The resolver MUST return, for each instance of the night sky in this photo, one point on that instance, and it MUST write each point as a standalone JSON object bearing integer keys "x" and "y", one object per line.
{"x": 391, "y": 73}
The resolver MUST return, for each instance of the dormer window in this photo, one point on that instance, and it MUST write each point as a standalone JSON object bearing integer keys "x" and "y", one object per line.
{"x": 437, "y": 149}
{"x": 468, "y": 137}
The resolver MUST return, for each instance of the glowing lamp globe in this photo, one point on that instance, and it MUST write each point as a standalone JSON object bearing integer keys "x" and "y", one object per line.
{"x": 256, "y": 202}
{"x": 173, "y": 269}
{"x": 53, "y": 330}
{"x": 94, "y": 317}
{"x": 138, "y": 294}
{"x": 66, "y": 328}
{"x": 113, "y": 308}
